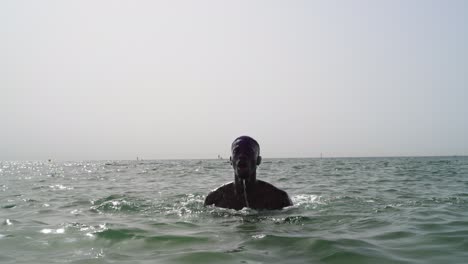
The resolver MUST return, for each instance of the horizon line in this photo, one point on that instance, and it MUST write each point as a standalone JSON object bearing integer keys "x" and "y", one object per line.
{"x": 315, "y": 157}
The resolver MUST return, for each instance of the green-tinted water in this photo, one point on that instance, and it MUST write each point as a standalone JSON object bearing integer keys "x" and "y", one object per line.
{"x": 373, "y": 210}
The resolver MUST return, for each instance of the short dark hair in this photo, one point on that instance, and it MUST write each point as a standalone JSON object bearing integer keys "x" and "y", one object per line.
{"x": 248, "y": 140}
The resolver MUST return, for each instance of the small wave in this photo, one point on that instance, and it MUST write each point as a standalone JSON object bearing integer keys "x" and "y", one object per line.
{"x": 176, "y": 240}
{"x": 60, "y": 187}
{"x": 298, "y": 167}
{"x": 394, "y": 235}
{"x": 116, "y": 164}
{"x": 73, "y": 204}
{"x": 118, "y": 203}
{"x": 166, "y": 240}
{"x": 205, "y": 257}
{"x": 120, "y": 234}
{"x": 90, "y": 230}
{"x": 225, "y": 212}
{"x": 4, "y": 236}
{"x": 358, "y": 256}
{"x": 297, "y": 219}
{"x": 9, "y": 222}
{"x": 306, "y": 200}
{"x": 188, "y": 205}
{"x": 53, "y": 231}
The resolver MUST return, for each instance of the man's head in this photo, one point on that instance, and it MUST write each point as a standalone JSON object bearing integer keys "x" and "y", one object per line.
{"x": 245, "y": 157}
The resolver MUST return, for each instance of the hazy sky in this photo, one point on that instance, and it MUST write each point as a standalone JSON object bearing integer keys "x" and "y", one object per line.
{"x": 82, "y": 80}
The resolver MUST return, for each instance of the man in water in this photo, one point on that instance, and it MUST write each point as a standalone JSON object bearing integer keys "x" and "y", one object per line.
{"x": 246, "y": 190}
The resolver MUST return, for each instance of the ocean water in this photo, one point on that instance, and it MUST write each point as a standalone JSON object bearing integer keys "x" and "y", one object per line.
{"x": 346, "y": 210}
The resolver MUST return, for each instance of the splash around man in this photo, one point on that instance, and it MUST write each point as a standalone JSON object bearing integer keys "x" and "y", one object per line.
{"x": 246, "y": 190}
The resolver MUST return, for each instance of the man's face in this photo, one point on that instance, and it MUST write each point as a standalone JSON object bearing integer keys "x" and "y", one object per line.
{"x": 244, "y": 159}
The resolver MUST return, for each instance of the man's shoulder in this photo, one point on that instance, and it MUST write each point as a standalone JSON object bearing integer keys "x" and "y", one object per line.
{"x": 217, "y": 194}
{"x": 279, "y": 197}
{"x": 269, "y": 187}
{"x": 223, "y": 188}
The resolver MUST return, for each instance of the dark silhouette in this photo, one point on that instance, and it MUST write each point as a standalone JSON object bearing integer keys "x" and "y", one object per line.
{"x": 246, "y": 190}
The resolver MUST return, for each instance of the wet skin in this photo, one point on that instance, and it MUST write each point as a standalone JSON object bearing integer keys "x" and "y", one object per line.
{"x": 259, "y": 194}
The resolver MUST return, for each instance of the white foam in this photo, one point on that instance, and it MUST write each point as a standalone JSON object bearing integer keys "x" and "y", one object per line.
{"x": 75, "y": 211}
{"x": 306, "y": 199}
{"x": 259, "y": 236}
{"x": 46, "y": 231}
{"x": 60, "y": 187}
{"x": 53, "y": 231}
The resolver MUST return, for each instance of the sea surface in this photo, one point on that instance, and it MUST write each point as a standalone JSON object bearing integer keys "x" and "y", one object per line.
{"x": 346, "y": 210}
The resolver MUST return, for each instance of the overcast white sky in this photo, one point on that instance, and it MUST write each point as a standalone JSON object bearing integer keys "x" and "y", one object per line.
{"x": 82, "y": 80}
